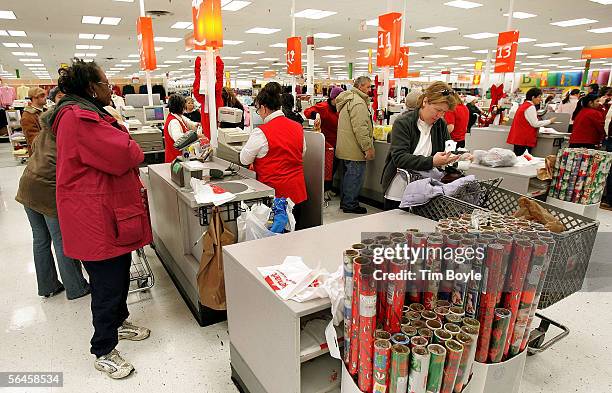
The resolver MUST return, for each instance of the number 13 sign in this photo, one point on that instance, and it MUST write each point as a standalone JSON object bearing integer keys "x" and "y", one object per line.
{"x": 389, "y": 30}
{"x": 294, "y": 55}
{"x": 507, "y": 46}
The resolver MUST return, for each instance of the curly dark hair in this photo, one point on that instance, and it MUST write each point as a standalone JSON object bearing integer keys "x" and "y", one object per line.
{"x": 176, "y": 104}
{"x": 533, "y": 93}
{"x": 270, "y": 96}
{"x": 77, "y": 78}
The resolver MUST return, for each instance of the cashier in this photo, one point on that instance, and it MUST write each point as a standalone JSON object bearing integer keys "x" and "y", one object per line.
{"x": 524, "y": 131}
{"x": 418, "y": 140}
{"x": 589, "y": 121}
{"x": 276, "y": 149}
{"x": 176, "y": 125}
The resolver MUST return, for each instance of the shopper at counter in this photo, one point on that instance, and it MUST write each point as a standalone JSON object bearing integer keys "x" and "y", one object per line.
{"x": 276, "y": 149}
{"x": 475, "y": 112}
{"x": 288, "y": 104}
{"x": 568, "y": 105}
{"x": 457, "y": 122}
{"x": 100, "y": 205}
{"x": 355, "y": 145}
{"x": 524, "y": 131}
{"x": 30, "y": 120}
{"x": 593, "y": 88}
{"x": 605, "y": 99}
{"x": 230, "y": 100}
{"x": 418, "y": 141}
{"x": 191, "y": 112}
{"x": 588, "y": 123}
{"x": 176, "y": 125}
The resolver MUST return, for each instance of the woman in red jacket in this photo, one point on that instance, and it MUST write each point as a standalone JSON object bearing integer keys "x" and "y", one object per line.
{"x": 101, "y": 211}
{"x": 588, "y": 130}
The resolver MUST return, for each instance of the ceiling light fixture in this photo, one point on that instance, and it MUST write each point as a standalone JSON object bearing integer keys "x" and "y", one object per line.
{"x": 455, "y": 47}
{"x": 372, "y": 40}
{"x": 325, "y": 36}
{"x": 417, "y": 44}
{"x": 464, "y": 58}
{"x": 550, "y": 44}
{"x": 437, "y": 29}
{"x": 524, "y": 40}
{"x": 232, "y": 42}
{"x": 7, "y": 15}
{"x": 466, "y": 5}
{"x": 231, "y": 58}
{"x": 17, "y": 33}
{"x": 330, "y": 48}
{"x": 182, "y": 25}
{"x": 86, "y": 36}
{"x": 101, "y": 37}
{"x": 601, "y": 30}
{"x": 521, "y": 15}
{"x": 480, "y": 36}
{"x": 436, "y": 56}
{"x": 269, "y": 59}
{"x": 252, "y": 52}
{"x": 91, "y": 20}
{"x": 574, "y": 22}
{"x": 262, "y": 30}
{"x": 110, "y": 21}
{"x": 480, "y": 51}
{"x": 604, "y": 2}
{"x": 279, "y": 45}
{"x": 167, "y": 39}
{"x": 574, "y": 48}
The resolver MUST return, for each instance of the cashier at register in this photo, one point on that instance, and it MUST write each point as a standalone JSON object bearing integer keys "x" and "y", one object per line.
{"x": 418, "y": 140}
{"x": 276, "y": 149}
{"x": 176, "y": 125}
{"x": 524, "y": 131}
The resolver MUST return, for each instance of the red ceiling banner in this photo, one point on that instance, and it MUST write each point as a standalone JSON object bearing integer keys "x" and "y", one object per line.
{"x": 507, "y": 46}
{"x": 389, "y": 31}
{"x": 401, "y": 69}
{"x": 146, "y": 46}
{"x": 294, "y": 55}
{"x": 597, "y": 52}
{"x": 207, "y": 24}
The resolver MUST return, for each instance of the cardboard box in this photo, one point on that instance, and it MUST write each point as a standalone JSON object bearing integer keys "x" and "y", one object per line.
{"x": 504, "y": 377}
{"x": 589, "y": 211}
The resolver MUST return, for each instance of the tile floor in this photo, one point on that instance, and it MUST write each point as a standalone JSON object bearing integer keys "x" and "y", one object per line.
{"x": 52, "y": 334}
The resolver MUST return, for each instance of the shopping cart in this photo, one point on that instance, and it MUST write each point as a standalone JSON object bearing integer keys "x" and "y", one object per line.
{"x": 571, "y": 254}
{"x": 140, "y": 272}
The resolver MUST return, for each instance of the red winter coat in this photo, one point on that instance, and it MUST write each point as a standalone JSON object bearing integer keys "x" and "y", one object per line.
{"x": 100, "y": 208}
{"x": 588, "y": 127}
{"x": 329, "y": 120}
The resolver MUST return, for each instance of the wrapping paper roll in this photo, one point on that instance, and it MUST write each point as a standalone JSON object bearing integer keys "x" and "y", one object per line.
{"x": 488, "y": 298}
{"x": 589, "y": 183}
{"x": 418, "y": 324}
{"x": 472, "y": 299}
{"x": 427, "y": 333}
{"x": 530, "y": 286}
{"x": 395, "y": 296}
{"x": 442, "y": 312}
{"x": 454, "y": 351}
{"x": 441, "y": 336}
{"x": 413, "y": 315}
{"x": 512, "y": 297}
{"x": 567, "y": 174}
{"x": 429, "y": 315}
{"x": 460, "y": 311}
{"x": 405, "y": 320}
{"x": 467, "y": 321}
{"x": 459, "y": 290}
{"x": 382, "y": 364}
{"x": 583, "y": 172}
{"x": 452, "y": 328}
{"x": 398, "y": 376}
{"x": 417, "y": 307}
{"x": 534, "y": 307}
{"x": 559, "y": 163}
{"x": 446, "y": 286}
{"x": 348, "y": 257}
{"x": 368, "y": 242}
{"x": 382, "y": 335}
{"x": 467, "y": 341}
{"x": 433, "y": 325}
{"x": 443, "y": 303}
{"x": 367, "y": 324}
{"x": 358, "y": 264}
{"x": 419, "y": 241}
{"x": 473, "y": 333}
{"x": 571, "y": 185}
{"x": 433, "y": 264}
{"x": 501, "y": 323}
{"x": 600, "y": 177}
{"x": 381, "y": 291}
{"x": 418, "y": 341}
{"x": 507, "y": 242}
{"x": 453, "y": 318}
{"x": 409, "y": 331}
{"x": 436, "y": 367}
{"x": 400, "y": 338}
{"x": 419, "y": 369}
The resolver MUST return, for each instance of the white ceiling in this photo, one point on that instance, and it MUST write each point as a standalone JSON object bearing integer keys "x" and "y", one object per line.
{"x": 52, "y": 27}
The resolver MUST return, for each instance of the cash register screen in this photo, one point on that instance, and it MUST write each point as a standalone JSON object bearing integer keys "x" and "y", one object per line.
{"x": 154, "y": 114}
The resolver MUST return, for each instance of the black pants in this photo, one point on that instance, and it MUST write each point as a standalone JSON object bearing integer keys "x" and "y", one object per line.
{"x": 461, "y": 144}
{"x": 329, "y": 184}
{"x": 297, "y": 214}
{"x": 519, "y": 150}
{"x": 584, "y": 145}
{"x": 110, "y": 282}
{"x": 391, "y": 205}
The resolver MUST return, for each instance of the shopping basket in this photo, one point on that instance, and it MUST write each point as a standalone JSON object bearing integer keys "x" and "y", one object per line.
{"x": 140, "y": 272}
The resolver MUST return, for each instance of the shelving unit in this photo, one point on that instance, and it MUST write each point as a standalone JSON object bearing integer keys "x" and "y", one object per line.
{"x": 18, "y": 142}
{"x": 265, "y": 330}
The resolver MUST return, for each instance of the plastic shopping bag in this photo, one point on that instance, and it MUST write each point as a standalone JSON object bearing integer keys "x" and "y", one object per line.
{"x": 252, "y": 222}
{"x": 495, "y": 157}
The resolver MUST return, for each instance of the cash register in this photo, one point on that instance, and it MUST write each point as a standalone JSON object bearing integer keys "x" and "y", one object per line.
{"x": 230, "y": 140}
{"x": 143, "y": 125}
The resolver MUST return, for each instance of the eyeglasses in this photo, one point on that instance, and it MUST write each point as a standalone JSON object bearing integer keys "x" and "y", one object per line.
{"x": 110, "y": 86}
{"x": 446, "y": 92}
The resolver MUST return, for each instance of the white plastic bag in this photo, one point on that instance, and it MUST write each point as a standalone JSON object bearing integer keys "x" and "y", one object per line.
{"x": 496, "y": 157}
{"x": 252, "y": 223}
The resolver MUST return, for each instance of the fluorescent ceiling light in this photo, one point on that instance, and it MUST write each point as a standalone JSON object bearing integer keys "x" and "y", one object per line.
{"x": 466, "y": 5}
{"x": 158, "y": 48}
{"x": 252, "y": 52}
{"x": 331, "y": 48}
{"x": 325, "y": 36}
{"x": 279, "y": 45}
{"x": 260, "y": 67}
{"x": 91, "y": 20}
{"x": 182, "y": 57}
{"x": 3, "y": 33}
{"x": 336, "y": 62}
{"x": 423, "y": 61}
{"x": 604, "y": 2}
{"x": 372, "y": 22}
{"x": 231, "y": 66}
{"x": 436, "y": 56}
{"x": 597, "y": 31}
{"x": 17, "y": 33}
{"x": 550, "y": 44}
{"x": 537, "y": 57}
{"x": 134, "y": 55}
{"x": 480, "y": 36}
{"x": 523, "y": 40}
{"x": 95, "y": 47}
{"x": 530, "y": 64}
{"x": 521, "y": 53}
{"x": 182, "y": 25}
{"x": 111, "y": 21}
{"x": 481, "y": 51}
{"x": 232, "y": 42}
{"x": 455, "y": 47}
{"x": 167, "y": 39}
{"x": 559, "y": 58}
{"x": 173, "y": 62}
{"x": 86, "y": 36}
{"x": 10, "y": 45}
{"x": 261, "y": 30}
{"x": 235, "y": 5}
{"x": 7, "y": 15}
{"x": 248, "y": 63}
{"x": 101, "y": 37}
{"x": 231, "y": 57}
{"x": 464, "y": 58}
{"x": 372, "y": 40}
{"x": 269, "y": 59}
{"x": 436, "y": 29}
{"x": 574, "y": 48}
{"x": 163, "y": 65}
{"x": 574, "y": 22}
{"x": 577, "y": 61}
{"x": 82, "y": 46}
{"x": 30, "y": 60}
{"x": 417, "y": 44}
{"x": 246, "y": 69}
{"x": 333, "y": 56}
{"x": 130, "y": 61}
{"x": 521, "y": 15}
{"x": 447, "y": 63}
{"x": 91, "y": 54}
{"x": 79, "y": 55}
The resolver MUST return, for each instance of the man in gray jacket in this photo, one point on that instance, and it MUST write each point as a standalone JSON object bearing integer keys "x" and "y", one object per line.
{"x": 354, "y": 145}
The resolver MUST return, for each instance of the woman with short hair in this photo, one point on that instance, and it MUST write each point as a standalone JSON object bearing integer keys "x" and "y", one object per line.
{"x": 176, "y": 125}
{"x": 524, "y": 131}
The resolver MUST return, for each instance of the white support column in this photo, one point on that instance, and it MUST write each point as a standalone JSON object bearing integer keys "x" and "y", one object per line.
{"x": 310, "y": 52}
{"x": 147, "y": 73}
{"x": 487, "y": 75}
{"x": 211, "y": 97}
{"x": 508, "y": 28}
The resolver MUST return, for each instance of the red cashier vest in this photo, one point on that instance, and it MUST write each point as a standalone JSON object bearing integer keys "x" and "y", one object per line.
{"x": 171, "y": 152}
{"x": 283, "y": 167}
{"x": 521, "y": 132}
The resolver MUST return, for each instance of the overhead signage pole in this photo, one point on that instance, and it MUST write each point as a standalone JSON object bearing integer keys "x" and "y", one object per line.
{"x": 147, "y": 71}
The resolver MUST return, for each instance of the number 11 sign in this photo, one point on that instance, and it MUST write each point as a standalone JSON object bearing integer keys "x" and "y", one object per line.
{"x": 294, "y": 55}
{"x": 507, "y": 46}
{"x": 389, "y": 30}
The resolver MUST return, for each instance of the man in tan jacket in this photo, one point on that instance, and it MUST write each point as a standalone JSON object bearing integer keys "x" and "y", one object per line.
{"x": 30, "y": 123}
{"x": 354, "y": 145}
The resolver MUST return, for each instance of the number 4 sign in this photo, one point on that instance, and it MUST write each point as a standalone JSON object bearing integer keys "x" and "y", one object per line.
{"x": 294, "y": 55}
{"x": 389, "y": 30}
{"x": 401, "y": 69}
{"x": 507, "y": 46}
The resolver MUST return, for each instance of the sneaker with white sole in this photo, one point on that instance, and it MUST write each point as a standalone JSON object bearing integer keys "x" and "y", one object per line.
{"x": 113, "y": 365}
{"x": 128, "y": 331}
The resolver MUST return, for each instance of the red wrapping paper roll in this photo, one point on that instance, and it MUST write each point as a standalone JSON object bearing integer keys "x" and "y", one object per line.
{"x": 396, "y": 295}
{"x": 433, "y": 264}
{"x": 507, "y": 242}
{"x": 367, "y": 326}
{"x": 488, "y": 298}
{"x": 453, "y": 242}
{"x": 521, "y": 259}
{"x": 381, "y": 305}
{"x": 358, "y": 264}
{"x": 454, "y": 352}
{"x": 419, "y": 242}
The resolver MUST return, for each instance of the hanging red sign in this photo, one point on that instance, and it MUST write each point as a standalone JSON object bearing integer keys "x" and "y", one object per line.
{"x": 507, "y": 46}
{"x": 389, "y": 30}
{"x": 207, "y": 24}
{"x": 597, "y": 52}
{"x": 294, "y": 55}
{"x": 401, "y": 69}
{"x": 146, "y": 46}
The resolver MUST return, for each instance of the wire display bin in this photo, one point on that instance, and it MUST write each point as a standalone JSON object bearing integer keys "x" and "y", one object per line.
{"x": 140, "y": 272}
{"x": 571, "y": 254}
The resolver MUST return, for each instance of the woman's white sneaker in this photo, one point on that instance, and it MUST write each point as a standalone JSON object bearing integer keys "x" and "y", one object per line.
{"x": 113, "y": 365}
{"x": 128, "y": 331}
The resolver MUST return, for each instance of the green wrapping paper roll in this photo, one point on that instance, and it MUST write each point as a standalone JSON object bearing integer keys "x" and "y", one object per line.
{"x": 398, "y": 376}
{"x": 501, "y": 323}
{"x": 433, "y": 325}
{"x": 567, "y": 174}
{"x": 589, "y": 183}
{"x": 441, "y": 336}
{"x": 436, "y": 367}
{"x": 600, "y": 178}
{"x": 471, "y": 331}
{"x": 409, "y": 331}
{"x": 467, "y": 342}
{"x": 454, "y": 351}
{"x": 419, "y": 368}
{"x": 427, "y": 333}
{"x": 581, "y": 177}
{"x": 418, "y": 341}
{"x": 452, "y": 328}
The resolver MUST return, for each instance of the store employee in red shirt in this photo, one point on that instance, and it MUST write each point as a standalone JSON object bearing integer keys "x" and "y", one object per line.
{"x": 276, "y": 149}
{"x": 588, "y": 130}
{"x": 457, "y": 122}
{"x": 524, "y": 131}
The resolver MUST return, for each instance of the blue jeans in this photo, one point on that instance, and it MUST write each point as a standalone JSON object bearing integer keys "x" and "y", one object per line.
{"x": 354, "y": 176}
{"x": 608, "y": 144}
{"x": 44, "y": 230}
